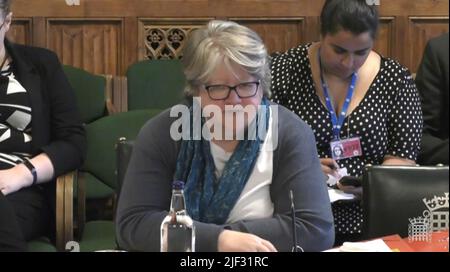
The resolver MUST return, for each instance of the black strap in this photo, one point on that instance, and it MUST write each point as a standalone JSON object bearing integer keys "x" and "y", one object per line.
{"x": 30, "y": 167}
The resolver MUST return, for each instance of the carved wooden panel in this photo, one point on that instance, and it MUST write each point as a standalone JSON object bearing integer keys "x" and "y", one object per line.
{"x": 94, "y": 45}
{"x": 142, "y": 29}
{"x": 277, "y": 34}
{"x": 20, "y": 31}
{"x": 421, "y": 30}
{"x": 165, "y": 39}
{"x": 384, "y": 43}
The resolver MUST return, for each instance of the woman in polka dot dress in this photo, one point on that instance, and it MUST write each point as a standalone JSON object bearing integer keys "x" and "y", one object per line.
{"x": 378, "y": 120}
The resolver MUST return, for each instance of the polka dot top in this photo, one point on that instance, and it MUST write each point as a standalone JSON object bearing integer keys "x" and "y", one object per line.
{"x": 388, "y": 120}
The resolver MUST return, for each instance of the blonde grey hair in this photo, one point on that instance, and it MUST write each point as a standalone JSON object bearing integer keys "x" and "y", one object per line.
{"x": 224, "y": 41}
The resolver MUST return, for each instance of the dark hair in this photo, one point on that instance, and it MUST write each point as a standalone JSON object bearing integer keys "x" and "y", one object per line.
{"x": 5, "y": 7}
{"x": 355, "y": 16}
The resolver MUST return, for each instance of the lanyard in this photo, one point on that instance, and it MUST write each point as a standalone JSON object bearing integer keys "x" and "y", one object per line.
{"x": 337, "y": 119}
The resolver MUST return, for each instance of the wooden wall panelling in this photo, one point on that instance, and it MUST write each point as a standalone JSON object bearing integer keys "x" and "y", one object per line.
{"x": 94, "y": 44}
{"x": 119, "y": 93}
{"x": 169, "y": 8}
{"x": 130, "y": 42}
{"x": 401, "y": 38}
{"x": 385, "y": 40}
{"x": 21, "y": 31}
{"x": 278, "y": 34}
{"x": 312, "y": 28}
{"x": 409, "y": 7}
{"x": 405, "y": 25}
{"x": 164, "y": 38}
{"x": 265, "y": 8}
{"x": 39, "y": 31}
{"x": 422, "y": 29}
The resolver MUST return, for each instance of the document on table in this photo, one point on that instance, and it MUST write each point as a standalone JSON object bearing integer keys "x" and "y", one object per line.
{"x": 336, "y": 195}
{"x": 377, "y": 245}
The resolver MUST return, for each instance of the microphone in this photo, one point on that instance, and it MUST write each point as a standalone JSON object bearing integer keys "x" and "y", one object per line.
{"x": 295, "y": 247}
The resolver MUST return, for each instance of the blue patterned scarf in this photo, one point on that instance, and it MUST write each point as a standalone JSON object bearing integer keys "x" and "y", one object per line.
{"x": 210, "y": 200}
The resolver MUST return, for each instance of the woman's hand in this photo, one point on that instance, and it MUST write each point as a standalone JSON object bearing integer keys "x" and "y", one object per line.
{"x": 235, "y": 241}
{"x": 388, "y": 160}
{"x": 357, "y": 191}
{"x": 13, "y": 179}
{"x": 392, "y": 160}
{"x": 329, "y": 167}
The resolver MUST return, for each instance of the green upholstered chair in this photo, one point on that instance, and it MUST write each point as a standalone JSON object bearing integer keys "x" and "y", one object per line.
{"x": 93, "y": 103}
{"x": 90, "y": 92}
{"x": 64, "y": 213}
{"x": 42, "y": 244}
{"x": 102, "y": 136}
{"x": 155, "y": 84}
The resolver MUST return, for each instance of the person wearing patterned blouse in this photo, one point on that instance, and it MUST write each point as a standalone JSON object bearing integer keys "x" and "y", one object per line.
{"x": 352, "y": 97}
{"x": 41, "y": 137}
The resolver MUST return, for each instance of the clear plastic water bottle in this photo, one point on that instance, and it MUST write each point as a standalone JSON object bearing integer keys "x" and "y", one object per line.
{"x": 177, "y": 228}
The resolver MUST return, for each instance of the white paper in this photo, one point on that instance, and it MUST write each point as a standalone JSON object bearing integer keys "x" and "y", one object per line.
{"x": 332, "y": 180}
{"x": 377, "y": 245}
{"x": 336, "y": 195}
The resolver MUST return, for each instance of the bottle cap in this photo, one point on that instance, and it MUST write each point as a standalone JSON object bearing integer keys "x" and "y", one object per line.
{"x": 178, "y": 185}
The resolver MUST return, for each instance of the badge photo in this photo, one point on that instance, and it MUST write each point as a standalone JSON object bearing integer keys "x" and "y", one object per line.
{"x": 346, "y": 148}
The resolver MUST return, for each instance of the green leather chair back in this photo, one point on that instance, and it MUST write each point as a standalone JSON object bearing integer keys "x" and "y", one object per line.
{"x": 91, "y": 100}
{"x": 41, "y": 244}
{"x": 102, "y": 136}
{"x": 155, "y": 84}
{"x": 90, "y": 94}
{"x": 89, "y": 91}
{"x": 100, "y": 164}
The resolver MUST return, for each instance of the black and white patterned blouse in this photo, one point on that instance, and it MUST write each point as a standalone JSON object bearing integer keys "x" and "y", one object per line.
{"x": 388, "y": 120}
{"x": 15, "y": 120}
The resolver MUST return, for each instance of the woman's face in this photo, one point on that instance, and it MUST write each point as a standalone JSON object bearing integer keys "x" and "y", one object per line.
{"x": 344, "y": 53}
{"x": 236, "y": 112}
{"x": 337, "y": 151}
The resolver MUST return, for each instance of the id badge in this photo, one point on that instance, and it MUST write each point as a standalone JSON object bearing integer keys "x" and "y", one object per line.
{"x": 346, "y": 148}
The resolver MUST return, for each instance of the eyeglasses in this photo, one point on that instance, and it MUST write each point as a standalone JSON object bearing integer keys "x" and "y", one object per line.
{"x": 222, "y": 92}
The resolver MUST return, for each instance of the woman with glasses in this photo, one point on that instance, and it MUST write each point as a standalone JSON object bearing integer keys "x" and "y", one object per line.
{"x": 41, "y": 137}
{"x": 351, "y": 97}
{"x": 239, "y": 155}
